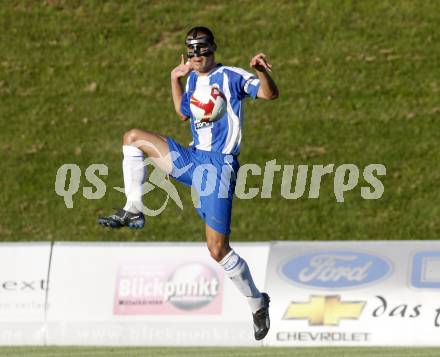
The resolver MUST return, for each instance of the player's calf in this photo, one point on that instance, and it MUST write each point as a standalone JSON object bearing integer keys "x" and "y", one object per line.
{"x": 238, "y": 271}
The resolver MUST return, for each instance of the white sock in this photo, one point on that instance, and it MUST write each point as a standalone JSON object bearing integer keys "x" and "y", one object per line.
{"x": 134, "y": 176}
{"x": 237, "y": 270}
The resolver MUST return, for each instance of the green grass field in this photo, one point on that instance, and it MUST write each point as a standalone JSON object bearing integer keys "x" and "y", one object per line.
{"x": 218, "y": 352}
{"x": 359, "y": 83}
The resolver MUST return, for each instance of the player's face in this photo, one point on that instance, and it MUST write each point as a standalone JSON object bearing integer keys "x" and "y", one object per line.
{"x": 201, "y": 58}
{"x": 202, "y": 63}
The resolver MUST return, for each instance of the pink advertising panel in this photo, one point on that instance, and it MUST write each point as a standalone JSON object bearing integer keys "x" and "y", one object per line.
{"x": 168, "y": 287}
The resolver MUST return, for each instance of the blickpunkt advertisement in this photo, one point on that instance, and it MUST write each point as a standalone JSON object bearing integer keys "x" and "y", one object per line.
{"x": 148, "y": 294}
{"x": 168, "y": 287}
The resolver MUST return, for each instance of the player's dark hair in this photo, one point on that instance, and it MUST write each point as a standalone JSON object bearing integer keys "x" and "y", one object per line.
{"x": 202, "y": 30}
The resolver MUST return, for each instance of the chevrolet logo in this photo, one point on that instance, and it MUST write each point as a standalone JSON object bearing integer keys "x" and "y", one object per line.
{"x": 324, "y": 310}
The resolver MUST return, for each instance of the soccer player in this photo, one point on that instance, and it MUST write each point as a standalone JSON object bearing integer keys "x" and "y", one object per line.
{"x": 214, "y": 143}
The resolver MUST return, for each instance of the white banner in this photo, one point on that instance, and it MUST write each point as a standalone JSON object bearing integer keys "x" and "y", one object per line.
{"x": 148, "y": 294}
{"x": 383, "y": 293}
{"x": 23, "y": 285}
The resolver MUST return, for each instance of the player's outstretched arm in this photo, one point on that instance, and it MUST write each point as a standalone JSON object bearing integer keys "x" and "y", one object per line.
{"x": 268, "y": 89}
{"x": 176, "y": 85}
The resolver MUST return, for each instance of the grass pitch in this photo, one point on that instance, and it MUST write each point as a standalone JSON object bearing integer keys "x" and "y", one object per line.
{"x": 359, "y": 83}
{"x": 218, "y": 352}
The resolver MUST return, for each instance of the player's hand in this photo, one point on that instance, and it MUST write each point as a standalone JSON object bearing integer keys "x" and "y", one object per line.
{"x": 182, "y": 69}
{"x": 259, "y": 63}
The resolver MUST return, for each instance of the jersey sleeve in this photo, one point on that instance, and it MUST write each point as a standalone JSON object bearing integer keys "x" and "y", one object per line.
{"x": 184, "y": 105}
{"x": 248, "y": 84}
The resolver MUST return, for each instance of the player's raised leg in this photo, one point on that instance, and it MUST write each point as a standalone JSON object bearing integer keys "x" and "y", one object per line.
{"x": 238, "y": 271}
{"x": 136, "y": 144}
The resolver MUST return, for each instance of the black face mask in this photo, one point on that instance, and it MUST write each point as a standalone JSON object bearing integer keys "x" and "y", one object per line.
{"x": 199, "y": 47}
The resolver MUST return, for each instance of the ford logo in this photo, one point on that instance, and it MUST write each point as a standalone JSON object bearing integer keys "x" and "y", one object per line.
{"x": 335, "y": 269}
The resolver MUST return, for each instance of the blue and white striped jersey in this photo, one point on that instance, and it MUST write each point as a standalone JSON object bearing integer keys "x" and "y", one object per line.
{"x": 223, "y": 135}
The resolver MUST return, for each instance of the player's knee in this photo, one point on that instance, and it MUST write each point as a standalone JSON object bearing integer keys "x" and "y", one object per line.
{"x": 216, "y": 254}
{"x": 218, "y": 251}
{"x": 131, "y": 136}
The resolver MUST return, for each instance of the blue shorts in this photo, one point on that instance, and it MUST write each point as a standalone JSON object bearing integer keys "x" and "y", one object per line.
{"x": 213, "y": 176}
